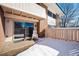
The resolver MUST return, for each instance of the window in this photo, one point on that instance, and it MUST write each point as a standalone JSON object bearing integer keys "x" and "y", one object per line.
{"x": 22, "y": 30}
{"x": 51, "y": 19}
{"x": 51, "y": 14}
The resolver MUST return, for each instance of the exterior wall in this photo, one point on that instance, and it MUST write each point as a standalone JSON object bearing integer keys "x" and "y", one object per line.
{"x": 57, "y": 21}
{"x": 51, "y": 21}
{"x": 43, "y": 25}
{"x": 1, "y": 34}
{"x": 54, "y": 8}
{"x": 9, "y": 30}
{"x": 2, "y": 37}
{"x": 31, "y": 8}
{"x": 63, "y": 33}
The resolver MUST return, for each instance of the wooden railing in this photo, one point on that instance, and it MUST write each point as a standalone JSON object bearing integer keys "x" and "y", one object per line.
{"x": 63, "y": 33}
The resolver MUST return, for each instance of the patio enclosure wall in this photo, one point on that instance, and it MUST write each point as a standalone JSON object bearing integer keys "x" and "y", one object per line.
{"x": 63, "y": 33}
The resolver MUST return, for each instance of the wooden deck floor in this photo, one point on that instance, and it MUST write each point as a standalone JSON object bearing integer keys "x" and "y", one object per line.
{"x": 10, "y": 49}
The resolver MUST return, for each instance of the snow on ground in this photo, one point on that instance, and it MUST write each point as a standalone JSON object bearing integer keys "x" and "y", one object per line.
{"x": 52, "y": 47}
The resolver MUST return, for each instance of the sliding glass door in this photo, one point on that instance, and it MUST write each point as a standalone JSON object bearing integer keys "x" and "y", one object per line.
{"x": 22, "y": 30}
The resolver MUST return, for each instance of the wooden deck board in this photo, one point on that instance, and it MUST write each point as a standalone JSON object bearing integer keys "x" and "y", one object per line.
{"x": 15, "y": 48}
